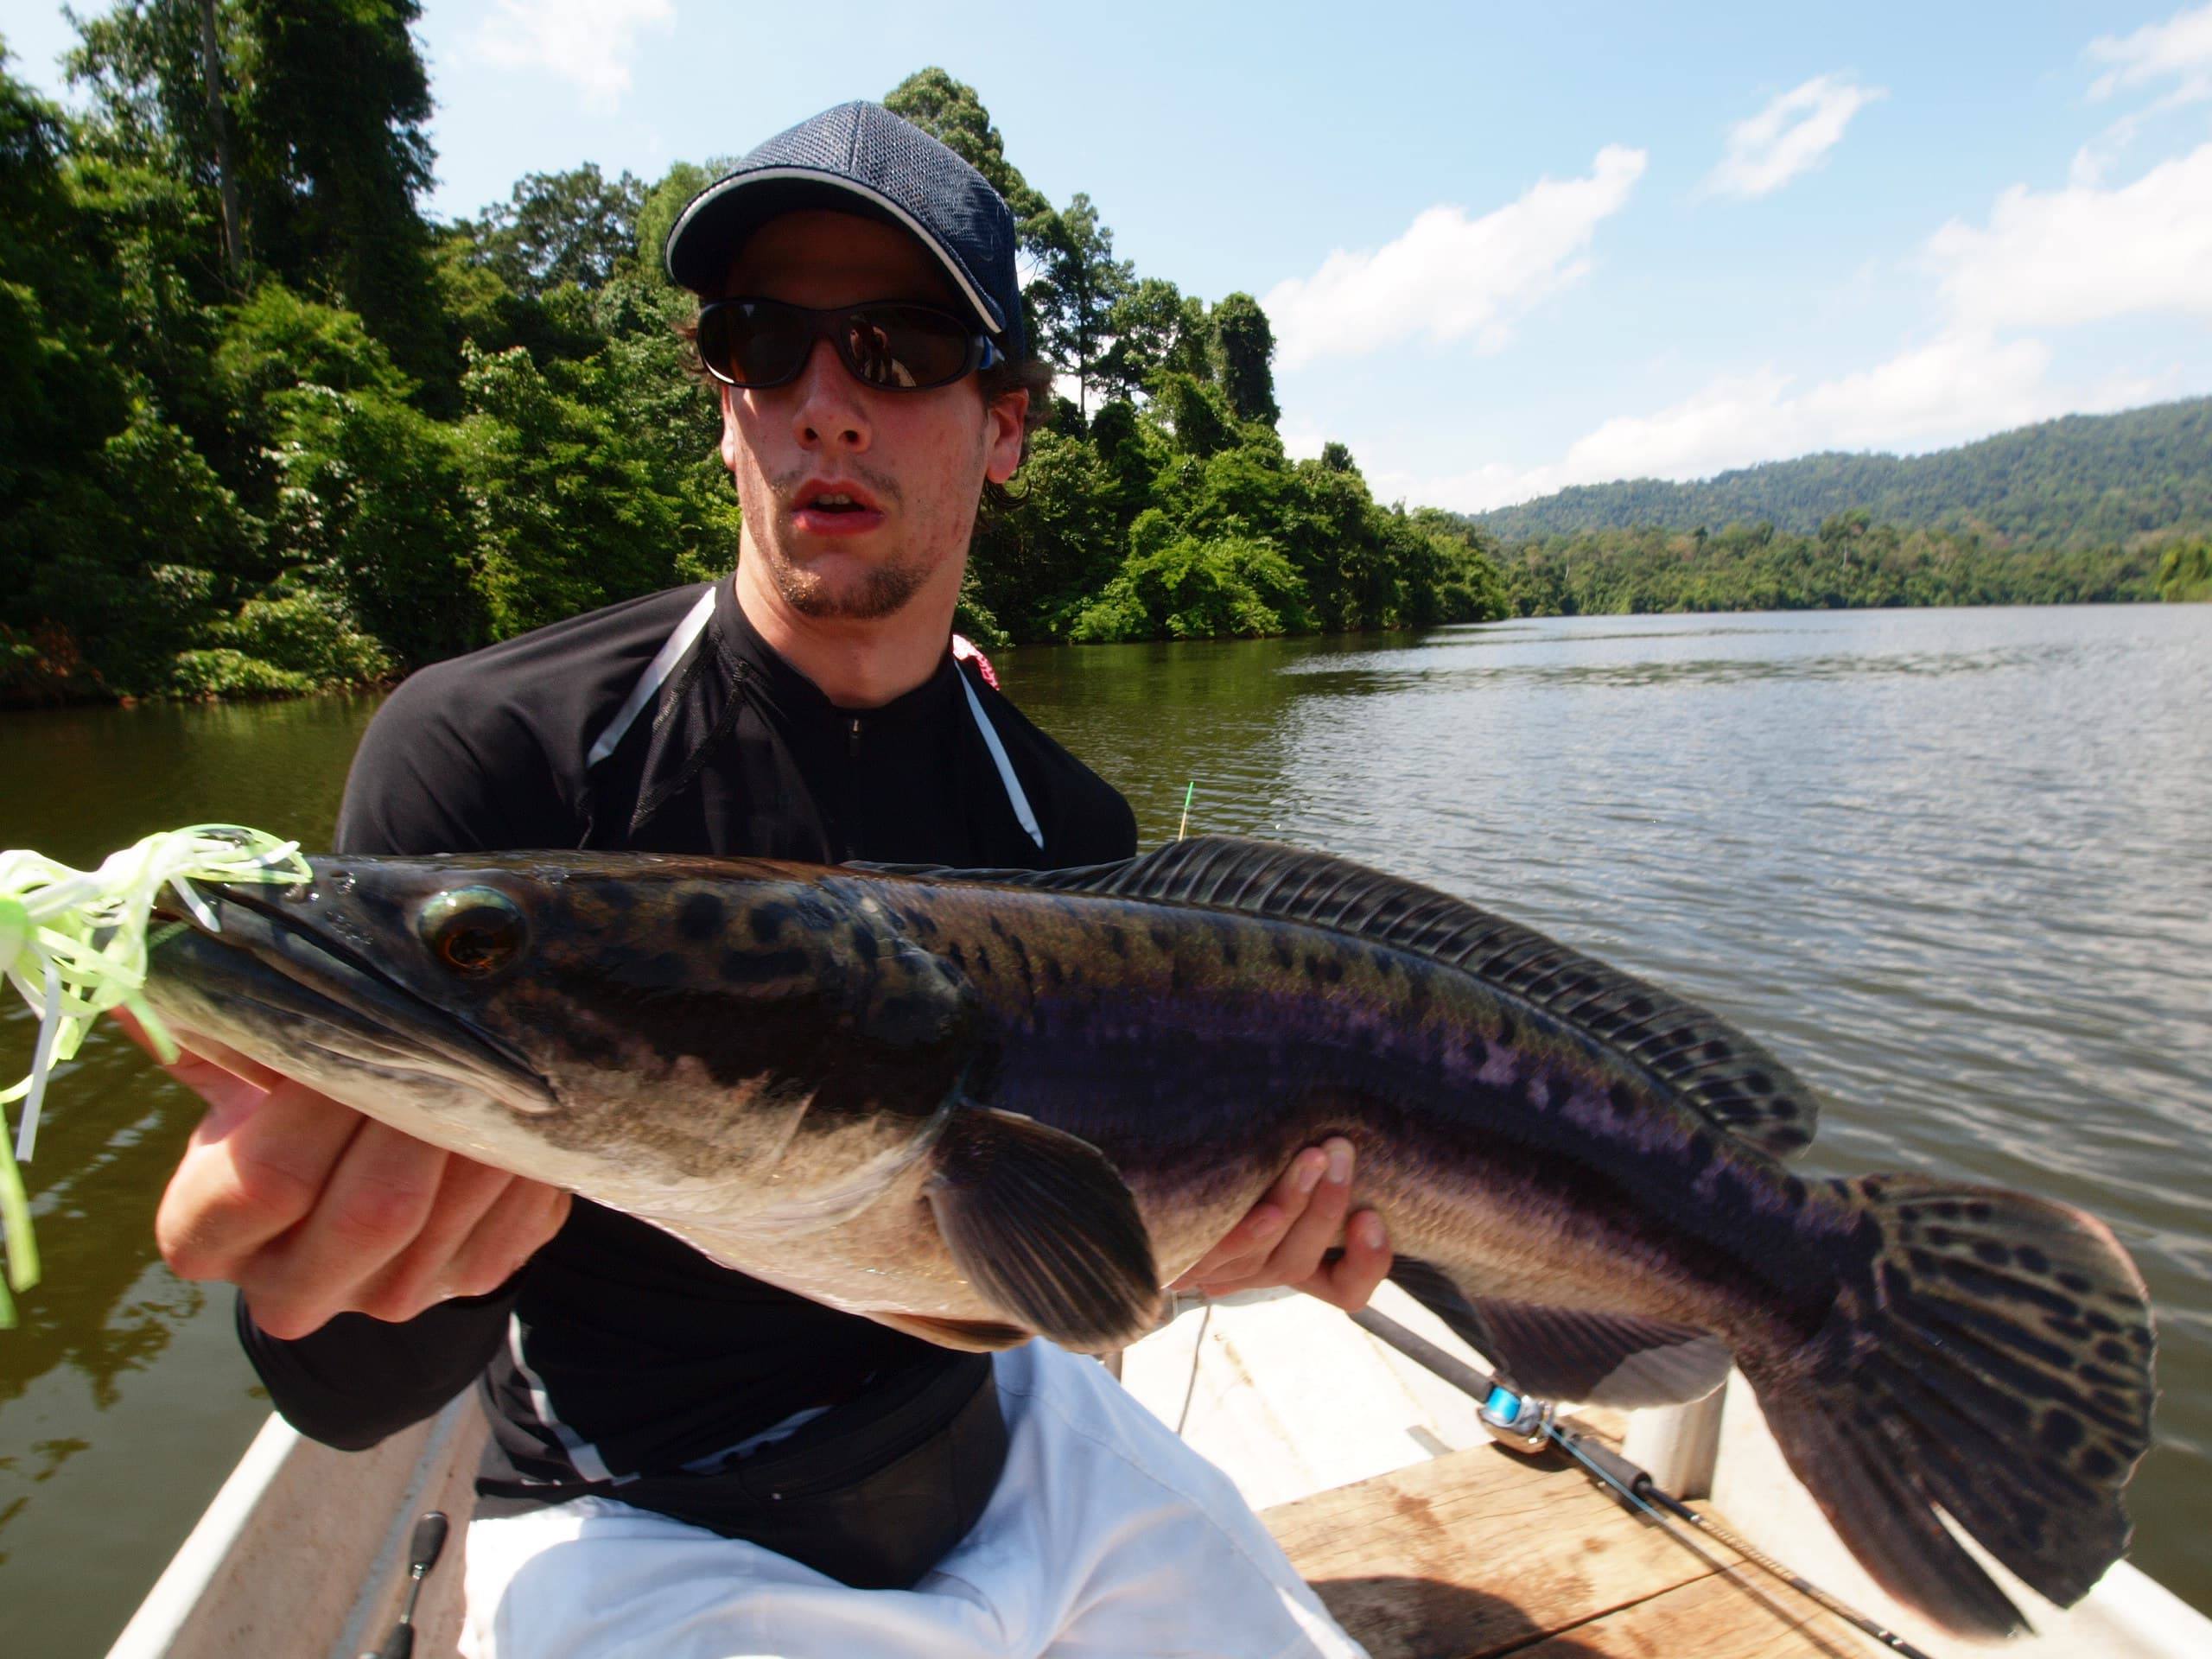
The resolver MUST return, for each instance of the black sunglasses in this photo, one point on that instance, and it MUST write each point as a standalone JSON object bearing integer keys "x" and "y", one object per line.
{"x": 886, "y": 344}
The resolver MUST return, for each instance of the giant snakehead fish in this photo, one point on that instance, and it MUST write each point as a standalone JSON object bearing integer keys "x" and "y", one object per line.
{"x": 977, "y": 1105}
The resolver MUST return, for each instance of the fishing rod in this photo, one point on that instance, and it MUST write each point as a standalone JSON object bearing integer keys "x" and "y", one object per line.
{"x": 1531, "y": 1425}
{"x": 423, "y": 1550}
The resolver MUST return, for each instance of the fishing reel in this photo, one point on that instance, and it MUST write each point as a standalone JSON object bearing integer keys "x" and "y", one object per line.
{"x": 1516, "y": 1419}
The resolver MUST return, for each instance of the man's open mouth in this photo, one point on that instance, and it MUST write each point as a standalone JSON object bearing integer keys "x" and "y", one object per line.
{"x": 833, "y": 503}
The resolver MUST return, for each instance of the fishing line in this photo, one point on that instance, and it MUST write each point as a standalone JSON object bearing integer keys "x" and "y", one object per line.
{"x": 1630, "y": 1485}
{"x": 1196, "y": 1353}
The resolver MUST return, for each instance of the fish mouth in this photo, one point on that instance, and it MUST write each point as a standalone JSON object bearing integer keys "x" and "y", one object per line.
{"x": 281, "y": 976}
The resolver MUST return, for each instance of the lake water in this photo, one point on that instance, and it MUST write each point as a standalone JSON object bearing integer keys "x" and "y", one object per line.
{"x": 1953, "y": 866}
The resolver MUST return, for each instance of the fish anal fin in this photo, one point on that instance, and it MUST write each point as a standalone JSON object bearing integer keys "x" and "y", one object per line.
{"x": 1566, "y": 1353}
{"x": 969, "y": 1336}
{"x": 1043, "y": 1224}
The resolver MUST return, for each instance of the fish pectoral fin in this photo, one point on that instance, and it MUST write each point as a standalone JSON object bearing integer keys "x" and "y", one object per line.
{"x": 969, "y": 1336}
{"x": 1571, "y": 1353}
{"x": 1043, "y": 1224}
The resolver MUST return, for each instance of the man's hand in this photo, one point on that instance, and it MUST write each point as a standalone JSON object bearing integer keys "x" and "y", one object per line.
{"x": 313, "y": 1210}
{"x": 1282, "y": 1238}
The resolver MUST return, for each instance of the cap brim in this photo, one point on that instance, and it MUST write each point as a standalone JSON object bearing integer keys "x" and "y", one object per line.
{"x": 722, "y": 218}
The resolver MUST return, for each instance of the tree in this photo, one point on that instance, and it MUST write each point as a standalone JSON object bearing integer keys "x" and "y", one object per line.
{"x": 568, "y": 514}
{"x": 1244, "y": 352}
{"x": 114, "y": 532}
{"x": 664, "y": 203}
{"x": 143, "y": 67}
{"x": 219, "y": 121}
{"x": 577, "y": 227}
{"x": 1076, "y": 296}
{"x": 1154, "y": 329}
{"x": 334, "y": 157}
{"x": 1195, "y": 417}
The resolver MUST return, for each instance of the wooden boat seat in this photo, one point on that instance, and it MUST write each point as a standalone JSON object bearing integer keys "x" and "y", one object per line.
{"x": 1485, "y": 1551}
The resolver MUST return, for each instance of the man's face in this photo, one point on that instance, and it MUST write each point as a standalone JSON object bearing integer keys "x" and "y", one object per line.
{"x": 914, "y": 462}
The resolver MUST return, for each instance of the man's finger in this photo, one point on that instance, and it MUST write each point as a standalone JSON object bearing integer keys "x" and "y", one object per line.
{"x": 520, "y": 1225}
{"x": 376, "y": 1200}
{"x": 419, "y": 1276}
{"x": 1298, "y": 1258}
{"x": 1242, "y": 1250}
{"x": 1350, "y": 1281}
{"x": 243, "y": 1182}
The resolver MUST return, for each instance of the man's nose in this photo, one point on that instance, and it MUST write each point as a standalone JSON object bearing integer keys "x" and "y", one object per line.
{"x": 828, "y": 411}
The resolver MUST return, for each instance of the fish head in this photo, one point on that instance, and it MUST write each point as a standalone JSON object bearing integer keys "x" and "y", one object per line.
{"x": 669, "y": 1035}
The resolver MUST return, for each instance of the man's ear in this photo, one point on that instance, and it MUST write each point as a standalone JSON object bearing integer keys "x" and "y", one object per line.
{"x": 1005, "y": 418}
{"x": 729, "y": 426}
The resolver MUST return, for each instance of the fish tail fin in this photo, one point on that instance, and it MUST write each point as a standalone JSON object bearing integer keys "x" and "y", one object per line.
{"x": 1993, "y": 1358}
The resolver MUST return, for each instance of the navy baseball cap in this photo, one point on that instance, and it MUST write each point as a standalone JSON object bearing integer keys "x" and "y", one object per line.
{"x": 860, "y": 158}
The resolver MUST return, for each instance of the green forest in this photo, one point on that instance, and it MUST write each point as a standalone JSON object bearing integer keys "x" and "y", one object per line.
{"x": 266, "y": 426}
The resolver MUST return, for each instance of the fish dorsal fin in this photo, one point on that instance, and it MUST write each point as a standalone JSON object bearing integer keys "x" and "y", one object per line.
{"x": 1700, "y": 1059}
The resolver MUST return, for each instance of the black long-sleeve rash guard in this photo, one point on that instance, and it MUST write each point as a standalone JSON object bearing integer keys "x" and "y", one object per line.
{"x": 619, "y": 1349}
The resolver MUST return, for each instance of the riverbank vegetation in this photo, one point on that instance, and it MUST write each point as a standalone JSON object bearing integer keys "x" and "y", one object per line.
{"x": 2185, "y": 572}
{"x": 1850, "y": 563}
{"x": 264, "y": 427}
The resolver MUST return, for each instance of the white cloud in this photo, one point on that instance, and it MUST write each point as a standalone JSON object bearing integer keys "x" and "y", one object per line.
{"x": 1789, "y": 136}
{"x": 2179, "y": 49}
{"x": 590, "y": 43}
{"x": 1958, "y": 386}
{"x": 1450, "y": 276}
{"x": 2085, "y": 253}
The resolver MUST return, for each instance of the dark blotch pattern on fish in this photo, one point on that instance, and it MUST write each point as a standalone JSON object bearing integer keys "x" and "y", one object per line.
{"x": 699, "y": 917}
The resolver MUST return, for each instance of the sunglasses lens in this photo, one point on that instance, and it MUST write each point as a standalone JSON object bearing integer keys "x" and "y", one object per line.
{"x": 904, "y": 346}
{"x": 753, "y": 344}
{"x": 898, "y": 347}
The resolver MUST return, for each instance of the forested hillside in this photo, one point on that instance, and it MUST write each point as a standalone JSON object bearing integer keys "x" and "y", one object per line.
{"x": 2085, "y": 481}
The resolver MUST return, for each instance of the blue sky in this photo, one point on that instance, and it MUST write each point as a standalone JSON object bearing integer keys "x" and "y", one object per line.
{"x": 1505, "y": 248}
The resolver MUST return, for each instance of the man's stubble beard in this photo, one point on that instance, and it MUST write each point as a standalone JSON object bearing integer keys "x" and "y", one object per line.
{"x": 882, "y": 590}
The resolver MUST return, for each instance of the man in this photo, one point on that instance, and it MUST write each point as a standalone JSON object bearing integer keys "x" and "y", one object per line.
{"x": 686, "y": 1461}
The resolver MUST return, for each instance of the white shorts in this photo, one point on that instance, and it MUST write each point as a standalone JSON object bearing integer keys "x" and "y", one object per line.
{"x": 1108, "y": 1538}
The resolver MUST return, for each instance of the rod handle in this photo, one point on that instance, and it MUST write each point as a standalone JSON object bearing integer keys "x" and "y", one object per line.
{"x": 429, "y": 1543}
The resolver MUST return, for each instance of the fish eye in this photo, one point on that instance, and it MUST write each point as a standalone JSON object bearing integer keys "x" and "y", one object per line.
{"x": 474, "y": 931}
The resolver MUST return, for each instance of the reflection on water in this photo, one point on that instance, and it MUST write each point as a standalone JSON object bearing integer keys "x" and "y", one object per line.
{"x": 1956, "y": 866}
